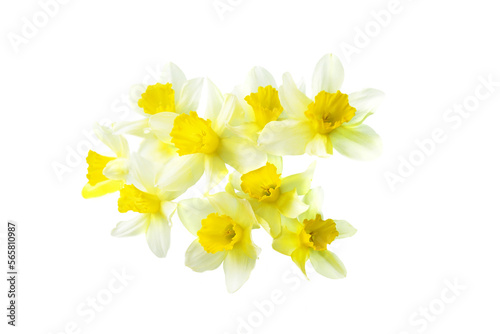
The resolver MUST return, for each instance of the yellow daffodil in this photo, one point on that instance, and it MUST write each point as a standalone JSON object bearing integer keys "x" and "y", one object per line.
{"x": 271, "y": 195}
{"x": 307, "y": 238}
{"x": 107, "y": 174}
{"x": 205, "y": 144}
{"x": 330, "y": 120}
{"x": 222, "y": 224}
{"x": 152, "y": 203}
{"x": 172, "y": 96}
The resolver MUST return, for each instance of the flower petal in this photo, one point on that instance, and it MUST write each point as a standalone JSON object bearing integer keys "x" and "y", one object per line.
{"x": 313, "y": 198}
{"x": 301, "y": 181}
{"x": 236, "y": 208}
{"x": 319, "y": 146}
{"x": 360, "y": 142}
{"x": 289, "y": 137}
{"x": 290, "y": 204}
{"x": 366, "y": 103}
{"x": 258, "y": 77}
{"x": 272, "y": 217}
{"x": 328, "y": 75}
{"x": 241, "y": 154}
{"x": 327, "y": 264}
{"x": 192, "y": 211}
{"x": 161, "y": 125}
{"x": 199, "y": 260}
{"x": 131, "y": 227}
{"x": 173, "y": 74}
{"x": 139, "y": 128}
{"x": 345, "y": 229}
{"x": 294, "y": 102}
{"x": 286, "y": 242}
{"x": 101, "y": 188}
{"x": 237, "y": 268}
{"x": 158, "y": 234}
{"x": 182, "y": 172}
{"x": 118, "y": 144}
{"x": 215, "y": 171}
{"x": 190, "y": 96}
{"x": 214, "y": 100}
{"x": 300, "y": 257}
{"x": 116, "y": 169}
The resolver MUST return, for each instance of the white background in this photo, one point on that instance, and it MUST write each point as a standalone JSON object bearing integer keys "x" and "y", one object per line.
{"x": 440, "y": 225}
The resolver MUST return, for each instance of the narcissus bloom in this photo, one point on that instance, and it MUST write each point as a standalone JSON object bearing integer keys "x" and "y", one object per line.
{"x": 330, "y": 120}
{"x": 206, "y": 145}
{"x": 153, "y": 204}
{"x": 271, "y": 195}
{"x": 307, "y": 238}
{"x": 222, "y": 224}
{"x": 107, "y": 174}
{"x": 173, "y": 95}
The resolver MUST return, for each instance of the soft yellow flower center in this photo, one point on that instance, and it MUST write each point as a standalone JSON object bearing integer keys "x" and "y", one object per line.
{"x": 263, "y": 183}
{"x": 265, "y": 104}
{"x": 96, "y": 163}
{"x": 158, "y": 98}
{"x": 133, "y": 199}
{"x": 218, "y": 233}
{"x": 318, "y": 233}
{"x": 192, "y": 134}
{"x": 329, "y": 111}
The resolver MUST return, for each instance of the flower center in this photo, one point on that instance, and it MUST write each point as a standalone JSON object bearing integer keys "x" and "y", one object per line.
{"x": 319, "y": 233}
{"x": 218, "y": 233}
{"x": 329, "y": 111}
{"x": 96, "y": 163}
{"x": 192, "y": 134}
{"x": 265, "y": 104}
{"x": 263, "y": 183}
{"x": 133, "y": 199}
{"x": 158, "y": 98}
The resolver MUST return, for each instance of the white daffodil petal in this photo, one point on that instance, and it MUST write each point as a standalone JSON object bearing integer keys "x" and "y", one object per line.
{"x": 300, "y": 181}
{"x": 190, "y": 96}
{"x": 158, "y": 234}
{"x": 118, "y": 144}
{"x": 248, "y": 131}
{"x": 192, "y": 211}
{"x": 277, "y": 161}
{"x": 272, "y": 217}
{"x": 182, "y": 172}
{"x": 328, "y": 75}
{"x": 142, "y": 173}
{"x": 319, "y": 146}
{"x": 241, "y": 154}
{"x": 131, "y": 227}
{"x": 214, "y": 100}
{"x": 294, "y": 102}
{"x": 215, "y": 171}
{"x": 345, "y": 229}
{"x": 237, "y": 268}
{"x": 235, "y": 180}
{"x": 116, "y": 169}
{"x": 235, "y": 208}
{"x": 135, "y": 95}
{"x": 229, "y": 107}
{"x": 139, "y": 128}
{"x": 258, "y": 77}
{"x": 313, "y": 198}
{"x": 290, "y": 204}
{"x": 289, "y": 137}
{"x": 173, "y": 74}
{"x": 360, "y": 142}
{"x": 300, "y": 257}
{"x": 366, "y": 103}
{"x": 327, "y": 264}
{"x": 286, "y": 242}
{"x": 199, "y": 260}
{"x": 161, "y": 125}
{"x": 157, "y": 151}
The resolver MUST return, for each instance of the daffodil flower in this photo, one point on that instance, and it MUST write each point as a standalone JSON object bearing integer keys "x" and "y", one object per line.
{"x": 307, "y": 238}
{"x": 152, "y": 203}
{"x": 173, "y": 95}
{"x": 272, "y": 196}
{"x": 260, "y": 101}
{"x": 206, "y": 145}
{"x": 222, "y": 224}
{"x": 330, "y": 120}
{"x": 107, "y": 174}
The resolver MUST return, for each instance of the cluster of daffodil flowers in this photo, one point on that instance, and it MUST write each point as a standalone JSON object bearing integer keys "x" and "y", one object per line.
{"x": 249, "y": 131}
